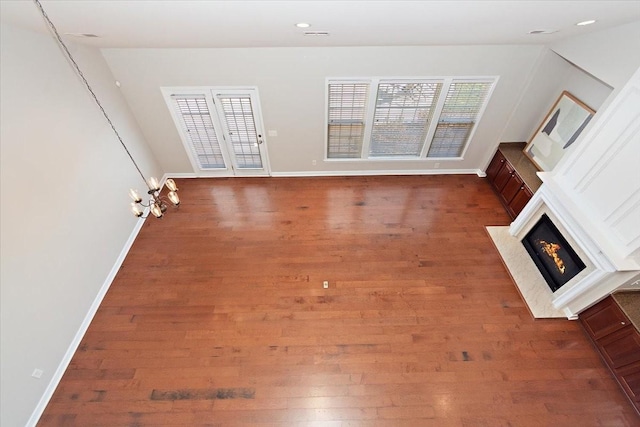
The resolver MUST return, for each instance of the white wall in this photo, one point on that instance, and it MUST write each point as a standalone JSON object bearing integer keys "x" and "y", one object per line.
{"x": 611, "y": 55}
{"x": 64, "y": 213}
{"x": 291, "y": 83}
{"x": 552, "y": 75}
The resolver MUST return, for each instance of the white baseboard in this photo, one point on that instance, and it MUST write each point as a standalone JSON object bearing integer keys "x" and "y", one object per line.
{"x": 306, "y": 174}
{"x": 64, "y": 364}
{"x": 180, "y": 175}
{"x": 378, "y": 172}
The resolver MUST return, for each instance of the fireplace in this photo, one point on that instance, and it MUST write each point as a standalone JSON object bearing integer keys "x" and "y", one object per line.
{"x": 552, "y": 254}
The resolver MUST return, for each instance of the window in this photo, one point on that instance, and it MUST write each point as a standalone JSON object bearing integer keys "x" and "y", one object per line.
{"x": 430, "y": 118}
{"x": 347, "y": 107}
{"x": 194, "y": 116}
{"x": 459, "y": 114}
{"x": 239, "y": 119}
{"x": 402, "y": 116}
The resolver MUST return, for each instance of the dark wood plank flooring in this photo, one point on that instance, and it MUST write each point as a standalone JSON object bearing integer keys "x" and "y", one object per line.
{"x": 218, "y": 317}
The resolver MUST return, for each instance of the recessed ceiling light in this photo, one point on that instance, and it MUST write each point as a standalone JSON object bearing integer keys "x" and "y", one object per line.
{"x": 303, "y": 25}
{"x": 316, "y": 33}
{"x": 589, "y": 22}
{"x": 85, "y": 35}
{"x": 542, "y": 31}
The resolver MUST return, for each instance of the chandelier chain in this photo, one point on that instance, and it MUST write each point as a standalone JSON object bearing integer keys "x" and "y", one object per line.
{"x": 88, "y": 86}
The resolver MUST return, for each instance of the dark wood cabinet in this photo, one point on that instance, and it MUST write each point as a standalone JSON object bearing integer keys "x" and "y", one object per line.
{"x": 622, "y": 347}
{"x": 603, "y": 318}
{"x": 629, "y": 377}
{"x": 495, "y": 166}
{"x": 519, "y": 201}
{"x": 618, "y": 342}
{"x": 503, "y": 177}
{"x": 508, "y": 185}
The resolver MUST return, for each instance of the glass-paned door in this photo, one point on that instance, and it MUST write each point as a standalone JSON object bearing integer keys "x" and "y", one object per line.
{"x": 242, "y": 131}
{"x": 221, "y": 129}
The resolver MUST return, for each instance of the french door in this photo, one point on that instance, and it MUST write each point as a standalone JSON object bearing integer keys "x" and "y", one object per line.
{"x": 221, "y": 129}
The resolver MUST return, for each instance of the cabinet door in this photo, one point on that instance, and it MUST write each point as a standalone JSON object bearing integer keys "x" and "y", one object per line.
{"x": 503, "y": 176}
{"x": 519, "y": 201}
{"x": 630, "y": 379}
{"x": 603, "y": 318}
{"x": 494, "y": 167}
{"x": 511, "y": 188}
{"x": 622, "y": 347}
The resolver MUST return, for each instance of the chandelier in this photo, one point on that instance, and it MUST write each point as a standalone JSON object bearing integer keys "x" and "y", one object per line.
{"x": 157, "y": 203}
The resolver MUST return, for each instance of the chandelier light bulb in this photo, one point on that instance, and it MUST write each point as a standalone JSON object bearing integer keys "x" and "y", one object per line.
{"x": 156, "y": 210}
{"x": 173, "y": 196}
{"x": 153, "y": 184}
{"x": 171, "y": 185}
{"x": 135, "y": 196}
{"x": 135, "y": 208}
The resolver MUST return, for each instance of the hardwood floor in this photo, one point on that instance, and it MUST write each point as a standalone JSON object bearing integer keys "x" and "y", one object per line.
{"x": 218, "y": 317}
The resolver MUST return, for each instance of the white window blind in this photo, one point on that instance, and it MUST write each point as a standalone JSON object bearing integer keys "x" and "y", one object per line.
{"x": 462, "y": 106}
{"x": 197, "y": 125}
{"x": 403, "y": 113}
{"x": 239, "y": 118}
{"x": 426, "y": 118}
{"x": 347, "y": 109}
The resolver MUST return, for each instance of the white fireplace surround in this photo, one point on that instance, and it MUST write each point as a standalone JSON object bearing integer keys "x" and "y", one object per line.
{"x": 598, "y": 268}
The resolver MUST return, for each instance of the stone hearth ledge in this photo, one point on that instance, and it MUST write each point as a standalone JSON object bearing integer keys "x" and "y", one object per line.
{"x": 528, "y": 280}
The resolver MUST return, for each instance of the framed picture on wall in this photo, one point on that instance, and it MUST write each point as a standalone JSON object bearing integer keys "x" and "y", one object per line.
{"x": 559, "y": 129}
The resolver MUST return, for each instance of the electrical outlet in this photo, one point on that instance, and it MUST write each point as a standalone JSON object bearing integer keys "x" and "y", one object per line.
{"x": 325, "y": 284}
{"x": 272, "y": 132}
{"x": 37, "y": 373}
{"x": 314, "y": 162}
{"x": 436, "y": 166}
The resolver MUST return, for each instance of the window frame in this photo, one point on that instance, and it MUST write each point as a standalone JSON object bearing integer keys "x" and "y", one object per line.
{"x": 372, "y": 95}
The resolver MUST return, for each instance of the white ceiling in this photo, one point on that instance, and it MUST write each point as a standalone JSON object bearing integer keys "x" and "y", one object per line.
{"x": 243, "y": 23}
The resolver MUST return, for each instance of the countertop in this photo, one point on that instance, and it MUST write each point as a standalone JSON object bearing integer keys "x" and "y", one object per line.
{"x": 629, "y": 302}
{"x": 526, "y": 169}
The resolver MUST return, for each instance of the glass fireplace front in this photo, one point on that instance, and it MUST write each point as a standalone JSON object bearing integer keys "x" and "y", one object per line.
{"x": 554, "y": 257}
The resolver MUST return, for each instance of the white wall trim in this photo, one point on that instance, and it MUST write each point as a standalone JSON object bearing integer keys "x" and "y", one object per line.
{"x": 305, "y": 174}
{"x": 588, "y": 283}
{"x": 181, "y": 175}
{"x": 379, "y": 172}
{"x": 570, "y": 314}
{"x": 73, "y": 346}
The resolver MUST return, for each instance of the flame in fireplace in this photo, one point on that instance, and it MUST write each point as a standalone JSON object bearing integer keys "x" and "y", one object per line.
{"x": 552, "y": 249}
